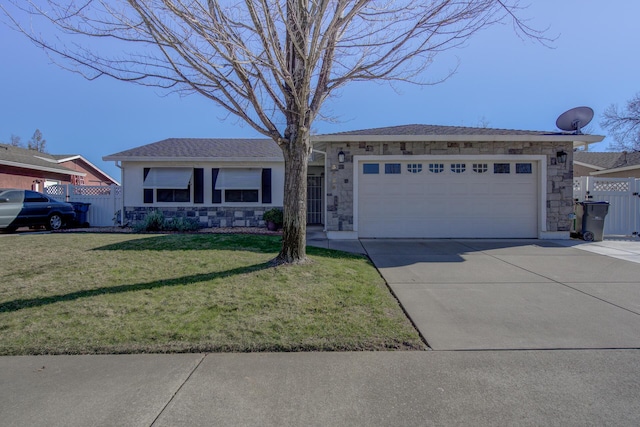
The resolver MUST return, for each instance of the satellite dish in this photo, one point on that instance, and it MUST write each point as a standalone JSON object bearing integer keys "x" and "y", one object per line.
{"x": 575, "y": 119}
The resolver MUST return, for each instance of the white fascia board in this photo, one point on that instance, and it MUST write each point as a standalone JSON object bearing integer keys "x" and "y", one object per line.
{"x": 90, "y": 164}
{"x": 77, "y": 156}
{"x": 46, "y": 159}
{"x": 578, "y": 140}
{"x": 194, "y": 159}
{"x": 624, "y": 169}
{"x": 587, "y": 165}
{"x": 42, "y": 168}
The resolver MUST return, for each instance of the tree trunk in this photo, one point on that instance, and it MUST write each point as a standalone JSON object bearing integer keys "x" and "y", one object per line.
{"x": 294, "y": 227}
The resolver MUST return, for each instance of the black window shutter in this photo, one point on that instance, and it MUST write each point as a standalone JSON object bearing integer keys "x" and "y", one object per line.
{"x": 198, "y": 185}
{"x": 217, "y": 194}
{"x": 148, "y": 192}
{"x": 266, "y": 185}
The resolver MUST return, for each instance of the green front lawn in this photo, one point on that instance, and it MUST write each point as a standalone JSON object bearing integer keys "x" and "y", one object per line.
{"x": 122, "y": 293}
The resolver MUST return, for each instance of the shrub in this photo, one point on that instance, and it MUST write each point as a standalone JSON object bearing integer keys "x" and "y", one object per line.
{"x": 155, "y": 221}
{"x": 274, "y": 215}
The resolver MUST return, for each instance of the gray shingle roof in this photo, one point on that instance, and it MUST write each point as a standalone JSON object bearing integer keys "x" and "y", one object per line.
{"x": 204, "y": 148}
{"x": 607, "y": 160}
{"x": 30, "y": 158}
{"x": 416, "y": 129}
{"x": 259, "y": 148}
{"x": 627, "y": 159}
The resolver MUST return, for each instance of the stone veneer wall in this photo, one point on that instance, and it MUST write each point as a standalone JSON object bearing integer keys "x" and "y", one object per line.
{"x": 208, "y": 216}
{"x": 340, "y": 185}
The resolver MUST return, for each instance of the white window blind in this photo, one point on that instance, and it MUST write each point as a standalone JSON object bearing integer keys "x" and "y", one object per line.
{"x": 239, "y": 179}
{"x": 168, "y": 178}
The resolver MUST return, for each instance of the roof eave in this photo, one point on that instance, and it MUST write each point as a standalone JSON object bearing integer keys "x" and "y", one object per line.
{"x": 41, "y": 168}
{"x": 587, "y": 165}
{"x": 191, "y": 159}
{"x": 615, "y": 170}
{"x": 74, "y": 157}
{"x": 100, "y": 171}
{"x": 578, "y": 140}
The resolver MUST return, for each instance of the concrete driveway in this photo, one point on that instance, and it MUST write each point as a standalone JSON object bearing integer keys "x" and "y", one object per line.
{"x": 512, "y": 294}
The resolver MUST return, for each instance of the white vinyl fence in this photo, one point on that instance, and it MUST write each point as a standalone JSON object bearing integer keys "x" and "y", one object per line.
{"x": 105, "y": 200}
{"x": 623, "y": 196}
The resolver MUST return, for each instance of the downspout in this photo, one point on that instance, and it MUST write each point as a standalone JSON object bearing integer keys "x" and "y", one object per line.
{"x": 324, "y": 193}
{"x": 119, "y": 166}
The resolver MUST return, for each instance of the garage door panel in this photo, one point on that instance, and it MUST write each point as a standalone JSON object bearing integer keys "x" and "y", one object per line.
{"x": 448, "y": 204}
{"x": 480, "y": 188}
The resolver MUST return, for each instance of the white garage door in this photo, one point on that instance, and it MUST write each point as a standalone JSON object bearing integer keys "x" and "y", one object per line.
{"x": 443, "y": 199}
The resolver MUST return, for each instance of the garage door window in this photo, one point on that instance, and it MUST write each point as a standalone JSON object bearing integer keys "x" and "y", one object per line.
{"x": 370, "y": 168}
{"x": 392, "y": 168}
{"x": 523, "y": 168}
{"x": 436, "y": 167}
{"x": 458, "y": 167}
{"x": 501, "y": 168}
{"x": 480, "y": 167}
{"x": 414, "y": 167}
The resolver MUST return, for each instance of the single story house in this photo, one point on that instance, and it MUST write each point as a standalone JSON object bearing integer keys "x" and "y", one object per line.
{"x": 419, "y": 181}
{"x": 607, "y": 165}
{"x": 33, "y": 170}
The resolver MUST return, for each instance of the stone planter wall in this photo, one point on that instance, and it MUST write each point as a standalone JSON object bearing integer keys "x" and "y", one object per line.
{"x": 208, "y": 216}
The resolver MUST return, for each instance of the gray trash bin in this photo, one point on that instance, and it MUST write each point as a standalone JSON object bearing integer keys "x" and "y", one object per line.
{"x": 593, "y": 215}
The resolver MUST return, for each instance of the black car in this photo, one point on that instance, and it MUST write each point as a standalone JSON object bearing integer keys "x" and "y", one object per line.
{"x": 26, "y": 208}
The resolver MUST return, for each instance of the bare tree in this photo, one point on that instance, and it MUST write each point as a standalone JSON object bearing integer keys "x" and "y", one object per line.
{"x": 37, "y": 142}
{"x": 624, "y": 125}
{"x": 272, "y": 63}
{"x": 15, "y": 141}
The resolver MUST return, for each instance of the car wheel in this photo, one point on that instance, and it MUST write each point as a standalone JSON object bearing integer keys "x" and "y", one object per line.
{"x": 55, "y": 222}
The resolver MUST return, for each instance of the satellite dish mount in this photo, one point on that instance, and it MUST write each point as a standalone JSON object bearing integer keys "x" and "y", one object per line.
{"x": 575, "y": 119}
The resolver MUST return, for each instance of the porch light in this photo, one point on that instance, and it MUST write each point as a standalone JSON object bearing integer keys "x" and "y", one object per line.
{"x": 341, "y": 157}
{"x": 561, "y": 156}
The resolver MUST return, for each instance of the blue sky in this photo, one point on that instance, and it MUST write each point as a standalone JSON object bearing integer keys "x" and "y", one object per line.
{"x": 502, "y": 81}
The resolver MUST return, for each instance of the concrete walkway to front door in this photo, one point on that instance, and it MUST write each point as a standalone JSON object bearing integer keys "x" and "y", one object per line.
{"x": 512, "y": 294}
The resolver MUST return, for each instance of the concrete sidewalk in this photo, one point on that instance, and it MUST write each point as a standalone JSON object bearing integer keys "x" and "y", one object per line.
{"x": 556, "y": 388}
{"x": 626, "y": 249}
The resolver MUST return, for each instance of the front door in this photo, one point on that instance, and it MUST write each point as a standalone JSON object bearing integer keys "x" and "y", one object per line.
{"x": 314, "y": 199}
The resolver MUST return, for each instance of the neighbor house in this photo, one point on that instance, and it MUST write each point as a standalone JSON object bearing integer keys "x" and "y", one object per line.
{"x": 607, "y": 165}
{"x": 32, "y": 170}
{"x": 402, "y": 181}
